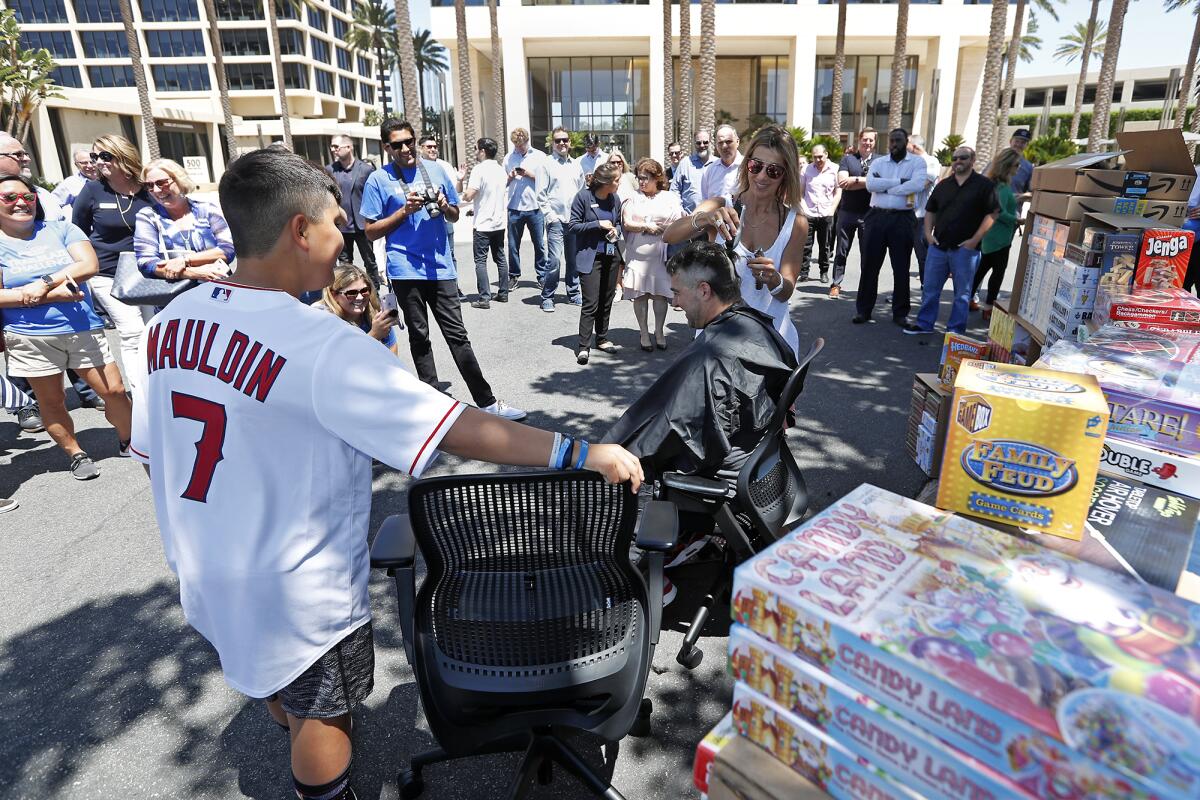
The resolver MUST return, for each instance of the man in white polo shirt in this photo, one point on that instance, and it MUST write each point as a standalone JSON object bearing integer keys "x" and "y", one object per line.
{"x": 257, "y": 422}
{"x": 721, "y": 177}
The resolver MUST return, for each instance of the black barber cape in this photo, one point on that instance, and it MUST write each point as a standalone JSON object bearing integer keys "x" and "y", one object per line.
{"x": 708, "y": 410}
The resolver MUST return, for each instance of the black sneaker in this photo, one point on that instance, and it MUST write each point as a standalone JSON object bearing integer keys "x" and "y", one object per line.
{"x": 824, "y": 277}
{"x": 480, "y": 304}
{"x": 804, "y": 276}
{"x": 83, "y": 468}
{"x": 501, "y": 298}
{"x": 29, "y": 418}
{"x": 859, "y": 319}
{"x": 913, "y": 330}
{"x": 96, "y": 402}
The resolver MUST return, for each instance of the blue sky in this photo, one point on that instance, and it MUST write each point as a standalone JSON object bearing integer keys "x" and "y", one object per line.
{"x": 1152, "y": 38}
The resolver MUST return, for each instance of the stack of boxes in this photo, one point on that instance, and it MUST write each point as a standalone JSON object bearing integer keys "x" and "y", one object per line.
{"x": 886, "y": 648}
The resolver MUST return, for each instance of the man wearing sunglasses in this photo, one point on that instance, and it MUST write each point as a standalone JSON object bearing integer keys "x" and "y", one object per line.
{"x": 351, "y": 174}
{"x": 674, "y": 154}
{"x": 689, "y": 173}
{"x": 564, "y": 179}
{"x": 721, "y": 177}
{"x": 592, "y": 156}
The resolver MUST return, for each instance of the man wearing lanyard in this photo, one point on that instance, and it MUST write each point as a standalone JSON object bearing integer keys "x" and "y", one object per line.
{"x": 894, "y": 182}
{"x": 564, "y": 180}
{"x": 526, "y": 189}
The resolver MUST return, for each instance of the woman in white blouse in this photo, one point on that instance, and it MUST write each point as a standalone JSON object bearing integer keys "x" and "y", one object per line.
{"x": 645, "y": 281}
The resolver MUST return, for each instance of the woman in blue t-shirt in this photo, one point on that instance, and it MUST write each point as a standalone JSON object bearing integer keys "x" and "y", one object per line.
{"x": 179, "y": 238}
{"x": 352, "y": 297}
{"x": 50, "y": 325}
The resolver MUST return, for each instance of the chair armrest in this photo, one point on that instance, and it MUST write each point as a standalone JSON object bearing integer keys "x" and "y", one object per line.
{"x": 658, "y": 526}
{"x": 395, "y": 546}
{"x": 696, "y": 485}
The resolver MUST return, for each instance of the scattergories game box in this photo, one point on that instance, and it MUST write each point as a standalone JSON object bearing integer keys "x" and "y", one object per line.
{"x": 1071, "y": 680}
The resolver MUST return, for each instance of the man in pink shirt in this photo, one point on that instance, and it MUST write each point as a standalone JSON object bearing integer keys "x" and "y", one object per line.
{"x": 819, "y": 203}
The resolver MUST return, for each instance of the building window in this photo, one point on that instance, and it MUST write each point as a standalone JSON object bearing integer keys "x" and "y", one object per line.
{"x": 175, "y": 43}
{"x": 240, "y": 10}
{"x": 343, "y": 59}
{"x": 1034, "y": 98}
{"x": 34, "y": 11}
{"x": 97, "y": 11}
{"x": 57, "y": 42}
{"x": 1146, "y": 91}
{"x": 67, "y": 76}
{"x": 364, "y": 67}
{"x": 605, "y": 95}
{"x": 338, "y": 5}
{"x": 287, "y": 11}
{"x": 341, "y": 29}
{"x": 170, "y": 10}
{"x": 111, "y": 77}
{"x": 291, "y": 42}
{"x": 104, "y": 44}
{"x": 245, "y": 42}
{"x": 366, "y": 93}
{"x": 249, "y": 76}
{"x": 324, "y": 81}
{"x": 320, "y": 50}
{"x": 866, "y": 87}
{"x": 318, "y": 19}
{"x": 751, "y": 91}
{"x": 347, "y": 87}
{"x": 1059, "y": 97}
{"x": 295, "y": 76}
{"x": 1089, "y": 94}
{"x": 181, "y": 77}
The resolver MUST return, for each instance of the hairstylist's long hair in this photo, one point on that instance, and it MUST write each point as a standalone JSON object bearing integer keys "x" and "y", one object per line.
{"x": 778, "y": 139}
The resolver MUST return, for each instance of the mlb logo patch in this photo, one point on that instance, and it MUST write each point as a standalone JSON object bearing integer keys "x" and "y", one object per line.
{"x": 221, "y": 294}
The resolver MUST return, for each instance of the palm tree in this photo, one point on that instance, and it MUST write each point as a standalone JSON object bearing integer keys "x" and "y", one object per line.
{"x": 1108, "y": 72}
{"x": 1017, "y": 51}
{"x": 985, "y": 141}
{"x": 406, "y": 58}
{"x": 371, "y": 32}
{"x": 708, "y": 65}
{"x": 214, "y": 41}
{"x": 685, "y": 68}
{"x": 1185, "y": 86}
{"x": 899, "y": 59}
{"x": 285, "y": 113}
{"x": 465, "y": 94}
{"x": 1079, "y": 45}
{"x": 497, "y": 73}
{"x": 139, "y": 79}
{"x": 839, "y": 67}
{"x": 668, "y": 83}
{"x": 430, "y": 57}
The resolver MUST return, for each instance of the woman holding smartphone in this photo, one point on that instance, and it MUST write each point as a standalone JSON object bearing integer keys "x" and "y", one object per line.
{"x": 50, "y": 325}
{"x": 352, "y": 297}
{"x": 596, "y": 224}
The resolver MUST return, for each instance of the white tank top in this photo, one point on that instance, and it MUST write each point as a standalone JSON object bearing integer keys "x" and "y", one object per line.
{"x": 762, "y": 299}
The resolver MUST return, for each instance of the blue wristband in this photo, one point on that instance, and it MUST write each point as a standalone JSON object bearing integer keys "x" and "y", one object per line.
{"x": 565, "y": 453}
{"x": 583, "y": 448}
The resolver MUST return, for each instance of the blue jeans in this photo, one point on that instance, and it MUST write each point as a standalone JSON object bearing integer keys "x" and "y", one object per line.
{"x": 560, "y": 244}
{"x": 536, "y": 222}
{"x": 959, "y": 265}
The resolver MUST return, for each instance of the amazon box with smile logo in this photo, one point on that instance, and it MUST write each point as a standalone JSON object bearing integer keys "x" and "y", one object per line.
{"x": 1023, "y": 446}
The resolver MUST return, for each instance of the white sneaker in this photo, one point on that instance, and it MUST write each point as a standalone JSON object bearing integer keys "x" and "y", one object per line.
{"x": 503, "y": 409}
{"x": 8, "y": 504}
{"x": 689, "y": 552}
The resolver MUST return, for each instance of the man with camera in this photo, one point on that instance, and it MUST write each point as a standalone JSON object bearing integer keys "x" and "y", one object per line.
{"x": 408, "y": 202}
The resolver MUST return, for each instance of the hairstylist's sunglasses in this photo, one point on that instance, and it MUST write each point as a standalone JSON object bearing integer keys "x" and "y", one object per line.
{"x": 104, "y": 156}
{"x": 754, "y": 166}
{"x": 401, "y": 144}
{"x": 11, "y": 198}
{"x": 354, "y": 294}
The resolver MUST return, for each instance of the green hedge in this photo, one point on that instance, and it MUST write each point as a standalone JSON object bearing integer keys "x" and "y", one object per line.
{"x": 1085, "y": 119}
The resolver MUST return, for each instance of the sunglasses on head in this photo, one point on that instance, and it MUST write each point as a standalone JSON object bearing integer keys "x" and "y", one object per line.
{"x": 163, "y": 184}
{"x": 11, "y": 198}
{"x": 354, "y": 294}
{"x": 103, "y": 155}
{"x": 401, "y": 143}
{"x": 754, "y": 166}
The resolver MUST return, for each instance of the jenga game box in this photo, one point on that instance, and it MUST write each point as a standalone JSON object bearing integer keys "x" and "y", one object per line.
{"x": 1163, "y": 258}
{"x": 1070, "y": 680}
{"x": 957, "y": 348}
{"x": 1023, "y": 446}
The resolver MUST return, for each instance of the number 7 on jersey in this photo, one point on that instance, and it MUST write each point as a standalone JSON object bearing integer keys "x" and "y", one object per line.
{"x": 208, "y": 447}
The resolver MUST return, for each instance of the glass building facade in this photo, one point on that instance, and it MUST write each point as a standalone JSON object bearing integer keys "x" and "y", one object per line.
{"x": 605, "y": 95}
{"x": 752, "y": 91}
{"x": 866, "y": 85}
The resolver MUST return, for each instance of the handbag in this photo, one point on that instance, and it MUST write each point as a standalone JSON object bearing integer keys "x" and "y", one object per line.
{"x": 135, "y": 288}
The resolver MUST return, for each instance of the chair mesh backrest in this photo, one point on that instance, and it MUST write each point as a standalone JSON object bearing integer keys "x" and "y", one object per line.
{"x": 526, "y": 567}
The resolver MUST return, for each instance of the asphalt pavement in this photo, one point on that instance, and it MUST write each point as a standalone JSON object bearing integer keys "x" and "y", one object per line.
{"x": 105, "y": 691}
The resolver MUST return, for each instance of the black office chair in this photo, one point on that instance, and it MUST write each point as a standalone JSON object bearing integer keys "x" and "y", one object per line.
{"x": 531, "y": 617}
{"x": 770, "y": 498}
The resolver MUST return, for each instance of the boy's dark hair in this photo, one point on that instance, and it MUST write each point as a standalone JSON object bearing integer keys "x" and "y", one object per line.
{"x": 488, "y": 146}
{"x": 263, "y": 190}
{"x": 708, "y": 262}
{"x": 393, "y": 124}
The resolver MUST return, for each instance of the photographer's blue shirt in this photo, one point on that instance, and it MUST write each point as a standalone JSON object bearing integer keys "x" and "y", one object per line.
{"x": 419, "y": 249}
{"x": 23, "y": 261}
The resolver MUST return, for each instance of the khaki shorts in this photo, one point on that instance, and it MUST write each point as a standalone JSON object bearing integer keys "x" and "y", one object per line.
{"x": 40, "y": 356}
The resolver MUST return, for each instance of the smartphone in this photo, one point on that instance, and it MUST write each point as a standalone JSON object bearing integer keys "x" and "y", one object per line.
{"x": 389, "y": 305}
{"x": 71, "y": 286}
{"x": 519, "y": 170}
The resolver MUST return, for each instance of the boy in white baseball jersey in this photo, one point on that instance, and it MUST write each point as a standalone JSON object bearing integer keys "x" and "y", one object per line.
{"x": 257, "y": 422}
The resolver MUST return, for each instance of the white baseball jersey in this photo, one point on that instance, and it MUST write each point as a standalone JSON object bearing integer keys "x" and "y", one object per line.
{"x": 258, "y": 418}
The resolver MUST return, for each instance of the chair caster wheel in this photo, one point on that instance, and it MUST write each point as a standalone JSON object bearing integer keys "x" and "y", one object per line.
{"x": 411, "y": 785}
{"x": 690, "y": 659}
{"x": 641, "y": 725}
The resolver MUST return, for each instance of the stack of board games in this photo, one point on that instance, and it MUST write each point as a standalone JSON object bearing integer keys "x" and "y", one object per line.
{"x": 1062, "y": 677}
{"x": 928, "y": 417}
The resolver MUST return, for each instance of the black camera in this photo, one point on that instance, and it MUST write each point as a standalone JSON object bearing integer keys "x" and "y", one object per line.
{"x": 431, "y": 195}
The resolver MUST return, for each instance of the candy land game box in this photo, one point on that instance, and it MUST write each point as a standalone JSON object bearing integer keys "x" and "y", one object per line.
{"x": 1071, "y": 680}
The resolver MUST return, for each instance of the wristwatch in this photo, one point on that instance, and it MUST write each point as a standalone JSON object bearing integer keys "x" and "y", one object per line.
{"x": 48, "y": 280}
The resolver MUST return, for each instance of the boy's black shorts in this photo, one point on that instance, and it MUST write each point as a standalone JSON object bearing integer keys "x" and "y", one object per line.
{"x": 336, "y": 682}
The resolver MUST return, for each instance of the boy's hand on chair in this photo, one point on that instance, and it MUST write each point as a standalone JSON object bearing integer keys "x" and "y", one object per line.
{"x": 615, "y": 463}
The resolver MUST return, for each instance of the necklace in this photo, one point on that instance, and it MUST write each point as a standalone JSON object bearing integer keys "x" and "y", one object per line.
{"x": 117, "y": 196}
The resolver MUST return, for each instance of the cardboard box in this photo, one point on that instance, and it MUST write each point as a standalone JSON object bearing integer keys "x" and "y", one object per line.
{"x": 1084, "y": 257}
{"x": 1163, "y": 258}
{"x": 1071, "y": 295}
{"x": 1157, "y": 166}
{"x": 1158, "y": 423}
{"x": 908, "y": 754}
{"x": 1027, "y": 342}
{"x": 929, "y": 414}
{"x": 1170, "y": 471}
{"x": 810, "y": 753}
{"x": 957, "y": 348}
{"x": 1054, "y": 233}
{"x": 999, "y": 647}
{"x": 1000, "y": 333}
{"x": 706, "y": 752}
{"x": 1023, "y": 446}
{"x": 1073, "y": 207}
{"x": 745, "y": 771}
{"x": 1151, "y": 309}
